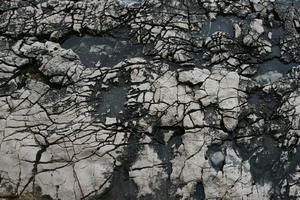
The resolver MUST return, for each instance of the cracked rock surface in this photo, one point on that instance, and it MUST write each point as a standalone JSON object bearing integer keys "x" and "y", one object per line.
{"x": 153, "y": 99}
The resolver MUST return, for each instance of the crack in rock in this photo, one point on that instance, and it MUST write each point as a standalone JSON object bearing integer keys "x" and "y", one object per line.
{"x": 152, "y": 99}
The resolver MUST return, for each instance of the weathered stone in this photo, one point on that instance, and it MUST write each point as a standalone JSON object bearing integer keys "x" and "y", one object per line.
{"x": 194, "y": 77}
{"x": 181, "y": 100}
{"x": 217, "y": 158}
{"x": 147, "y": 172}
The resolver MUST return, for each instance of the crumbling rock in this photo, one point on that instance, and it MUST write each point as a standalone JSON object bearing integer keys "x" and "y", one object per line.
{"x": 187, "y": 113}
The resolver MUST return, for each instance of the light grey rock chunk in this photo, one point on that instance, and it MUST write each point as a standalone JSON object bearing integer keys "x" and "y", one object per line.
{"x": 257, "y": 26}
{"x": 217, "y": 158}
{"x": 228, "y": 100}
{"x": 237, "y": 30}
{"x": 190, "y": 167}
{"x": 222, "y": 89}
{"x": 194, "y": 76}
{"x": 194, "y": 119}
{"x": 51, "y": 132}
{"x": 238, "y": 181}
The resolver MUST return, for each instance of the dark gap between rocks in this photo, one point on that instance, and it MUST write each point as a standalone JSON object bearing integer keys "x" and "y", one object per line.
{"x": 122, "y": 186}
{"x": 221, "y": 23}
{"x": 110, "y": 103}
{"x": 272, "y": 70}
{"x": 165, "y": 142}
{"x": 216, "y": 156}
{"x": 104, "y": 51}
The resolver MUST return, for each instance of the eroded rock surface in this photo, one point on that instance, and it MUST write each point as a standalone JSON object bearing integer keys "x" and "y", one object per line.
{"x": 153, "y": 99}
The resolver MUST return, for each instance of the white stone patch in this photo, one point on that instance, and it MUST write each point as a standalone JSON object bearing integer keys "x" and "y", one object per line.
{"x": 217, "y": 158}
{"x": 257, "y": 25}
{"x": 223, "y": 89}
{"x": 194, "y": 76}
{"x": 194, "y": 119}
{"x": 235, "y": 181}
{"x": 237, "y": 30}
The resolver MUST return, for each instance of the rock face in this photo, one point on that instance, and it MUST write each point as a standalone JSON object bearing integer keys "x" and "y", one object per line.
{"x": 153, "y": 99}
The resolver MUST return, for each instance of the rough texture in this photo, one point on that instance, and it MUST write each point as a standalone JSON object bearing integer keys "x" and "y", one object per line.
{"x": 154, "y": 99}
